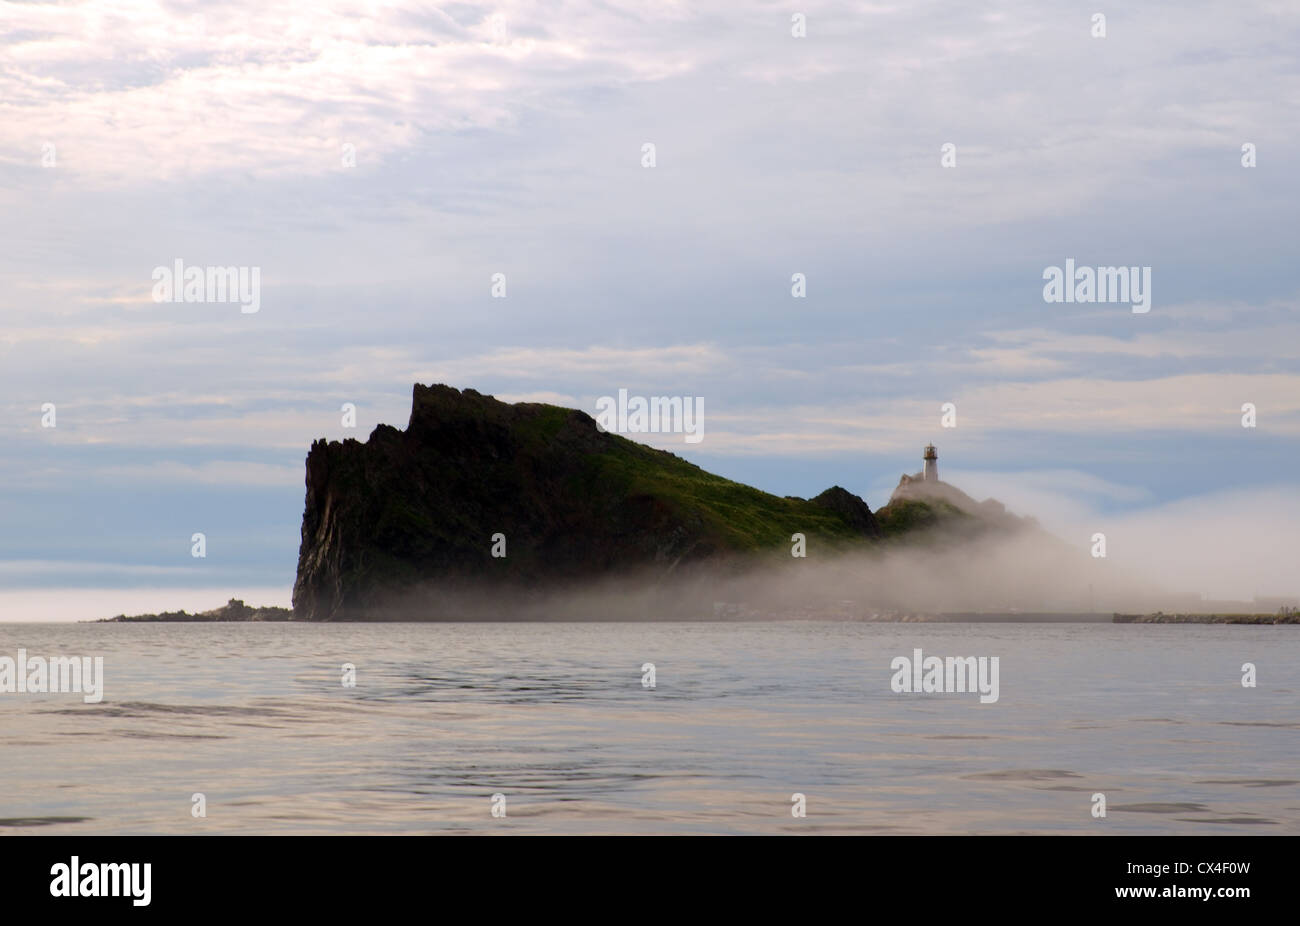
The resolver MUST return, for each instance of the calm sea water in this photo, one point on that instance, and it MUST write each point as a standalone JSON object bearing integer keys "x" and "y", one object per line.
{"x": 555, "y": 717}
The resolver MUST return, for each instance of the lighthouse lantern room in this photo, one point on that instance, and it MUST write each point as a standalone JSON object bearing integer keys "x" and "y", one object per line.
{"x": 931, "y": 471}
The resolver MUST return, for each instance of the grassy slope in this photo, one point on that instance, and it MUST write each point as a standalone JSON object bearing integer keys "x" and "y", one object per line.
{"x": 740, "y": 516}
{"x": 904, "y": 516}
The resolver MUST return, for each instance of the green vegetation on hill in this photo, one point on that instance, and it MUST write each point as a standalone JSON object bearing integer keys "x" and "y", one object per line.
{"x": 417, "y": 514}
{"x": 735, "y": 516}
{"x": 908, "y": 516}
{"x": 421, "y": 507}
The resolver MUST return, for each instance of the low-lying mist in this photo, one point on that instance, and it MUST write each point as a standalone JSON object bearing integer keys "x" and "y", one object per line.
{"x": 1025, "y": 571}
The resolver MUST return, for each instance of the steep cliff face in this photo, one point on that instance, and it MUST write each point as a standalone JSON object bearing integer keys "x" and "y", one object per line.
{"x": 416, "y": 511}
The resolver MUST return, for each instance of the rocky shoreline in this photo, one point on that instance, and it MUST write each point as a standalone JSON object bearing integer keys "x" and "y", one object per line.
{"x": 1161, "y": 618}
{"x": 233, "y": 610}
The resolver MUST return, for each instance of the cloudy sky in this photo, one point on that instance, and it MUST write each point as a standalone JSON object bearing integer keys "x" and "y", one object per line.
{"x": 380, "y": 161}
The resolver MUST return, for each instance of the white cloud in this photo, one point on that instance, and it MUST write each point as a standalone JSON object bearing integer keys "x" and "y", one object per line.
{"x": 1199, "y": 402}
{"x": 134, "y": 92}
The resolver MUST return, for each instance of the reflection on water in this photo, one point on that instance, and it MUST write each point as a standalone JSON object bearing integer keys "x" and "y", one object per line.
{"x": 554, "y": 716}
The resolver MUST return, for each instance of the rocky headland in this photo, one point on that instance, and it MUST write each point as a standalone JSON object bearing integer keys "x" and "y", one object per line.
{"x": 485, "y": 510}
{"x": 233, "y": 610}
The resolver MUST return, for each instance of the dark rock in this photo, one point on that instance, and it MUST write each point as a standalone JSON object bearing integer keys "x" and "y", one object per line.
{"x": 233, "y": 610}
{"x": 853, "y": 509}
{"x": 413, "y": 513}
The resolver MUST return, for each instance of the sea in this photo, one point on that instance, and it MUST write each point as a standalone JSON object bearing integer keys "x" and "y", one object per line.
{"x": 653, "y": 728}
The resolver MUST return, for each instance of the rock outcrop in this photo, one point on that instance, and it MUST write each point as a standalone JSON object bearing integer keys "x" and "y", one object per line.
{"x": 852, "y": 509}
{"x": 233, "y": 610}
{"x": 929, "y": 511}
{"x": 412, "y": 517}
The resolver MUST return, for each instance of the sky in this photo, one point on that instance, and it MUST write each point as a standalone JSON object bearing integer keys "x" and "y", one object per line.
{"x": 378, "y": 163}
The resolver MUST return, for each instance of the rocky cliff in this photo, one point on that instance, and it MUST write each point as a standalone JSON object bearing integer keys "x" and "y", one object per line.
{"x": 937, "y": 511}
{"x": 411, "y": 519}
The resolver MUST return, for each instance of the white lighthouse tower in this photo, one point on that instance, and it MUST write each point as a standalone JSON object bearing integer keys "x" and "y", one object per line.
{"x": 931, "y": 471}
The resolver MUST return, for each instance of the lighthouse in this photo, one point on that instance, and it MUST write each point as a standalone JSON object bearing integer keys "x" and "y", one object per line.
{"x": 930, "y": 473}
